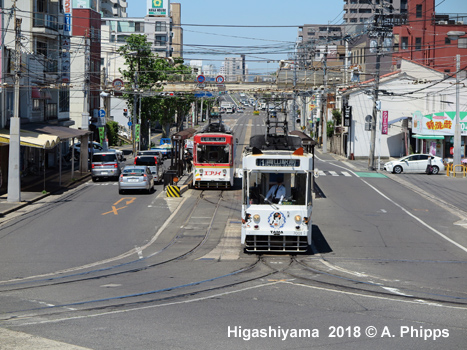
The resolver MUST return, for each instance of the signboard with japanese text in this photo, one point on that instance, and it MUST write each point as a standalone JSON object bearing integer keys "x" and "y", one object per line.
{"x": 347, "y": 115}
{"x": 158, "y": 8}
{"x": 384, "y": 123}
{"x": 278, "y": 162}
{"x": 438, "y": 124}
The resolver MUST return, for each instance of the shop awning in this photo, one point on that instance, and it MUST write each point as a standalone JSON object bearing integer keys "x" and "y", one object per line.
{"x": 31, "y": 139}
{"x": 428, "y": 137}
{"x": 63, "y": 132}
{"x": 397, "y": 120}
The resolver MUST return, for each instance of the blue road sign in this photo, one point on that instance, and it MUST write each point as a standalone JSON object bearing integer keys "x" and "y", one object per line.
{"x": 101, "y": 113}
{"x": 201, "y": 79}
{"x": 203, "y": 94}
{"x": 129, "y": 123}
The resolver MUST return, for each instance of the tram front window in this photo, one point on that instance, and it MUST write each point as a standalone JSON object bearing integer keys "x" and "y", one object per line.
{"x": 213, "y": 154}
{"x": 261, "y": 183}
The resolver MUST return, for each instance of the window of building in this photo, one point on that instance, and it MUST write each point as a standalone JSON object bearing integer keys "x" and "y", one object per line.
{"x": 64, "y": 100}
{"x": 404, "y": 43}
{"x": 418, "y": 44}
{"x": 161, "y": 27}
{"x": 36, "y": 104}
{"x": 161, "y": 40}
{"x": 447, "y": 41}
{"x": 365, "y": 10}
{"x": 418, "y": 11}
{"x": 41, "y": 48}
{"x": 462, "y": 43}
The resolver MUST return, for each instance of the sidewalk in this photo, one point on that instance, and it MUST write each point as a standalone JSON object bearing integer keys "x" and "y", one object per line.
{"x": 34, "y": 188}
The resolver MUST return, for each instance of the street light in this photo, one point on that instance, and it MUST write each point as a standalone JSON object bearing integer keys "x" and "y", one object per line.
{"x": 454, "y": 35}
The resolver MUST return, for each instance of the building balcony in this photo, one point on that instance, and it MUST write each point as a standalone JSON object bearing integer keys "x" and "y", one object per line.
{"x": 43, "y": 20}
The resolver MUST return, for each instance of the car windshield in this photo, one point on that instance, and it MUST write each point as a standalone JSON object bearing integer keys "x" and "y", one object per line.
{"x": 104, "y": 158}
{"x": 132, "y": 172}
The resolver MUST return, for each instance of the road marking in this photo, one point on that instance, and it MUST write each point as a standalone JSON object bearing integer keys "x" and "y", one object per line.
{"x": 405, "y": 210}
{"x": 333, "y": 173}
{"x": 115, "y": 210}
{"x": 345, "y": 173}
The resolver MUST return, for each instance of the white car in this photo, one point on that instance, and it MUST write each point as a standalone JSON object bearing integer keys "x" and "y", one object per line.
{"x": 415, "y": 163}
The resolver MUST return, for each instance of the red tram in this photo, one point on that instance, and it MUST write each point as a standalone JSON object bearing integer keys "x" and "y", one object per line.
{"x": 213, "y": 160}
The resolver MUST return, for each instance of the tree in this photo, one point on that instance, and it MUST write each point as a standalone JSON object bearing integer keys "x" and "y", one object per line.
{"x": 145, "y": 72}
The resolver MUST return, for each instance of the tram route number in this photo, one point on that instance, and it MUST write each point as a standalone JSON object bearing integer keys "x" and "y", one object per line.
{"x": 278, "y": 162}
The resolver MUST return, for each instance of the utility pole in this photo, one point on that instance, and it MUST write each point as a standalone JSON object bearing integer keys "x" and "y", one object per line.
{"x": 324, "y": 102}
{"x": 377, "y": 31}
{"x": 14, "y": 181}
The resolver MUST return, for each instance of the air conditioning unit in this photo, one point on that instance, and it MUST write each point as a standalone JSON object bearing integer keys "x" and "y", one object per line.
{"x": 443, "y": 22}
{"x": 460, "y": 22}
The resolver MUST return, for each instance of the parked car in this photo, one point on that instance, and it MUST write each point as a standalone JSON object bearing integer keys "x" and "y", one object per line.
{"x": 98, "y": 148}
{"x": 152, "y": 162}
{"x": 136, "y": 177}
{"x": 240, "y": 110}
{"x": 415, "y": 163}
{"x": 105, "y": 165}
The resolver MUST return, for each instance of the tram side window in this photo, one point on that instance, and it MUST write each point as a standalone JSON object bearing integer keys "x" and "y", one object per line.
{"x": 213, "y": 154}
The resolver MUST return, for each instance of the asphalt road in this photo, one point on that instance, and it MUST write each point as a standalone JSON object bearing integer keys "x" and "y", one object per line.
{"x": 97, "y": 270}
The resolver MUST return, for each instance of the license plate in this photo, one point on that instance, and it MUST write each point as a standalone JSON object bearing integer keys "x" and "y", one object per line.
{"x": 132, "y": 180}
{"x": 104, "y": 172}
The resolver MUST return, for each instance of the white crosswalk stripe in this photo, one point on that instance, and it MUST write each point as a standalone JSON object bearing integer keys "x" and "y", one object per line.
{"x": 334, "y": 173}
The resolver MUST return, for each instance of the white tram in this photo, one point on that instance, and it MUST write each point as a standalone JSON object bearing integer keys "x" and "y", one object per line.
{"x": 286, "y": 225}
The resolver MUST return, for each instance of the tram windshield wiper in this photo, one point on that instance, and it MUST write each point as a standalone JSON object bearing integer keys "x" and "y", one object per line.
{"x": 267, "y": 200}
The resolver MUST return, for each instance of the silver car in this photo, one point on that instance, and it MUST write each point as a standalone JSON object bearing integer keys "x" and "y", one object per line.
{"x": 105, "y": 165}
{"x": 136, "y": 177}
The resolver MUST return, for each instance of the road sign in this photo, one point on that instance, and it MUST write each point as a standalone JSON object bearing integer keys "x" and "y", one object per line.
{"x": 219, "y": 79}
{"x": 129, "y": 124}
{"x": 203, "y": 94}
{"x": 201, "y": 79}
{"x": 117, "y": 84}
{"x": 102, "y": 113}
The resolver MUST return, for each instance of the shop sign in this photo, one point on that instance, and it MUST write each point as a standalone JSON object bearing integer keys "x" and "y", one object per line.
{"x": 439, "y": 124}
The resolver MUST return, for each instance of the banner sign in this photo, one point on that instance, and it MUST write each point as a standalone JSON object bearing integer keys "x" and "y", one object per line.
{"x": 384, "y": 124}
{"x": 101, "y": 134}
{"x": 347, "y": 115}
{"x": 137, "y": 132}
{"x": 438, "y": 124}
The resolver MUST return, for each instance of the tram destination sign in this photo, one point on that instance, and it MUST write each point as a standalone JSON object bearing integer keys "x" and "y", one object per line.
{"x": 213, "y": 139}
{"x": 278, "y": 162}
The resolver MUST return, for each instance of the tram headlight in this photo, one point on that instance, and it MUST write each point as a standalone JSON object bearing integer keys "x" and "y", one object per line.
{"x": 298, "y": 218}
{"x": 201, "y": 171}
{"x": 256, "y": 218}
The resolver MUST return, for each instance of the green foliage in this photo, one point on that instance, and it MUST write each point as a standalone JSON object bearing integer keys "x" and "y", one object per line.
{"x": 112, "y": 132}
{"x": 330, "y": 129}
{"x": 144, "y": 72}
{"x": 337, "y": 116}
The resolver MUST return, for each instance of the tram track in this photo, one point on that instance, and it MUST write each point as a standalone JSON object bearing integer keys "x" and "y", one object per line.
{"x": 353, "y": 284}
{"x": 59, "y": 279}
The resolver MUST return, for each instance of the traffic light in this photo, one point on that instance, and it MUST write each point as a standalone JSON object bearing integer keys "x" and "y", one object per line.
{"x": 125, "y": 112}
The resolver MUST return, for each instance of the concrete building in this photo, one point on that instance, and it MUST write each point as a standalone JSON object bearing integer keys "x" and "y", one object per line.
{"x": 235, "y": 68}
{"x": 360, "y": 11}
{"x": 112, "y": 8}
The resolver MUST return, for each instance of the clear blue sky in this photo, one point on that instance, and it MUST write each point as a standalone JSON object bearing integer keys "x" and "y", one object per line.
{"x": 258, "y": 44}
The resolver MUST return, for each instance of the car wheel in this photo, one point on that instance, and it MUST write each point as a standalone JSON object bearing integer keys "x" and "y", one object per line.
{"x": 434, "y": 170}
{"x": 397, "y": 169}
{"x": 120, "y": 191}
{"x": 94, "y": 179}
